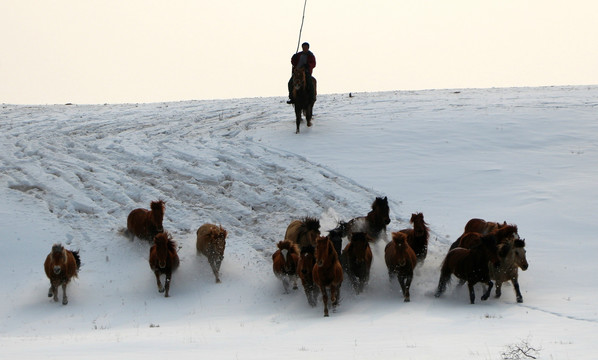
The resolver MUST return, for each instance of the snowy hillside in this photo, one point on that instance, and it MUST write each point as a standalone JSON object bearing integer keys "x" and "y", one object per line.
{"x": 72, "y": 173}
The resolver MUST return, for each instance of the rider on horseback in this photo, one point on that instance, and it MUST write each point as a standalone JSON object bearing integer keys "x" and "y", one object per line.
{"x": 305, "y": 59}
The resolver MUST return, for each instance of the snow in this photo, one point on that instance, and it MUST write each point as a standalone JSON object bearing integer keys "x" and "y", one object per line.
{"x": 72, "y": 174}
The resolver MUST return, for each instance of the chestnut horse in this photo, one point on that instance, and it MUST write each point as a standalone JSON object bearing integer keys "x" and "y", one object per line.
{"x": 284, "y": 263}
{"x": 400, "y": 260}
{"x": 146, "y": 224}
{"x": 303, "y": 232}
{"x": 512, "y": 257}
{"x": 61, "y": 266}
{"x": 470, "y": 265}
{"x": 303, "y": 100}
{"x": 305, "y": 268}
{"x": 374, "y": 223}
{"x": 417, "y": 237}
{"x": 357, "y": 260}
{"x": 327, "y": 272}
{"x": 163, "y": 259}
{"x": 211, "y": 241}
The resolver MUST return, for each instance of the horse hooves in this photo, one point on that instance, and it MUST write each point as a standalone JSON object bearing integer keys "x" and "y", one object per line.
{"x": 160, "y": 290}
{"x": 309, "y": 124}
{"x": 65, "y": 301}
{"x": 218, "y": 281}
{"x": 406, "y": 300}
{"x": 520, "y": 300}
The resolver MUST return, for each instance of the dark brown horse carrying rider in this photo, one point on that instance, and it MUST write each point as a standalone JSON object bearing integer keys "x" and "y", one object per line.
{"x": 305, "y": 59}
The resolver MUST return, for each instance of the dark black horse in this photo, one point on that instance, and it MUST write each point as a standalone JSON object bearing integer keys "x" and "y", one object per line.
{"x": 303, "y": 94}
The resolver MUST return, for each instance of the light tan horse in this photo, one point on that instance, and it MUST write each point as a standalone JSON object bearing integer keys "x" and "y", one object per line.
{"x": 211, "y": 241}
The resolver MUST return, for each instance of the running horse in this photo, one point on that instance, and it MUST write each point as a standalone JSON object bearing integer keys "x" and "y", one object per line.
{"x": 356, "y": 260}
{"x": 400, "y": 260}
{"x": 470, "y": 265}
{"x": 61, "y": 266}
{"x": 327, "y": 272}
{"x": 374, "y": 223}
{"x": 163, "y": 259}
{"x": 146, "y": 224}
{"x": 303, "y": 99}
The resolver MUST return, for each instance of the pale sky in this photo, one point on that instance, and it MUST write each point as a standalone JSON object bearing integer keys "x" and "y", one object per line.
{"x": 84, "y": 51}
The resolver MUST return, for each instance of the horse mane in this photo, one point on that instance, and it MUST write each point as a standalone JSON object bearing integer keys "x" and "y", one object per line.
{"x": 505, "y": 231}
{"x": 157, "y": 206}
{"x": 170, "y": 244}
{"x": 57, "y": 248}
{"x": 311, "y": 223}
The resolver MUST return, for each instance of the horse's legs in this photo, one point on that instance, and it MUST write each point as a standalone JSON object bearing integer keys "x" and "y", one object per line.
{"x": 444, "y": 279}
{"x": 65, "y": 299}
{"x": 297, "y": 117}
{"x": 517, "y": 290}
{"x": 52, "y": 292}
{"x": 160, "y": 288}
{"x": 325, "y": 299}
{"x": 167, "y": 284}
{"x": 471, "y": 292}
{"x": 285, "y": 283}
{"x": 215, "y": 264}
{"x": 335, "y": 294}
{"x": 308, "y": 114}
{"x": 405, "y": 281}
{"x": 498, "y": 289}
{"x": 488, "y": 291}
{"x": 310, "y": 294}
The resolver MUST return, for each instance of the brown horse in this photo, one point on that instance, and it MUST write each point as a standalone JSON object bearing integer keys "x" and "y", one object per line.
{"x": 356, "y": 259}
{"x": 400, "y": 260}
{"x": 303, "y": 232}
{"x": 374, "y": 223}
{"x": 512, "y": 257}
{"x": 163, "y": 259}
{"x": 211, "y": 241}
{"x": 327, "y": 272}
{"x": 284, "y": 263}
{"x": 305, "y": 268}
{"x": 470, "y": 265}
{"x": 303, "y": 100}
{"x": 61, "y": 266}
{"x": 417, "y": 237}
{"x": 146, "y": 224}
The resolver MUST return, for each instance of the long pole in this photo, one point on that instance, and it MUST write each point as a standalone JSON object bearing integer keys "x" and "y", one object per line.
{"x": 301, "y": 29}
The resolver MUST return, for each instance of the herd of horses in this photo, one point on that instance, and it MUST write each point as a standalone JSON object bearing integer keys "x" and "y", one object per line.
{"x": 485, "y": 252}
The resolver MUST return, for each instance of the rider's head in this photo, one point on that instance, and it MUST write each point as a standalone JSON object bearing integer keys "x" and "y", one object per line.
{"x": 305, "y": 46}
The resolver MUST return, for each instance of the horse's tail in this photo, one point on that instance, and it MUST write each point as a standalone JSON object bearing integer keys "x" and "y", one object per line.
{"x": 77, "y": 258}
{"x": 445, "y": 278}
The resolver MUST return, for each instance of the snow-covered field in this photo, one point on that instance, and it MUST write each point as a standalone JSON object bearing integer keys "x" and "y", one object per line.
{"x": 71, "y": 174}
